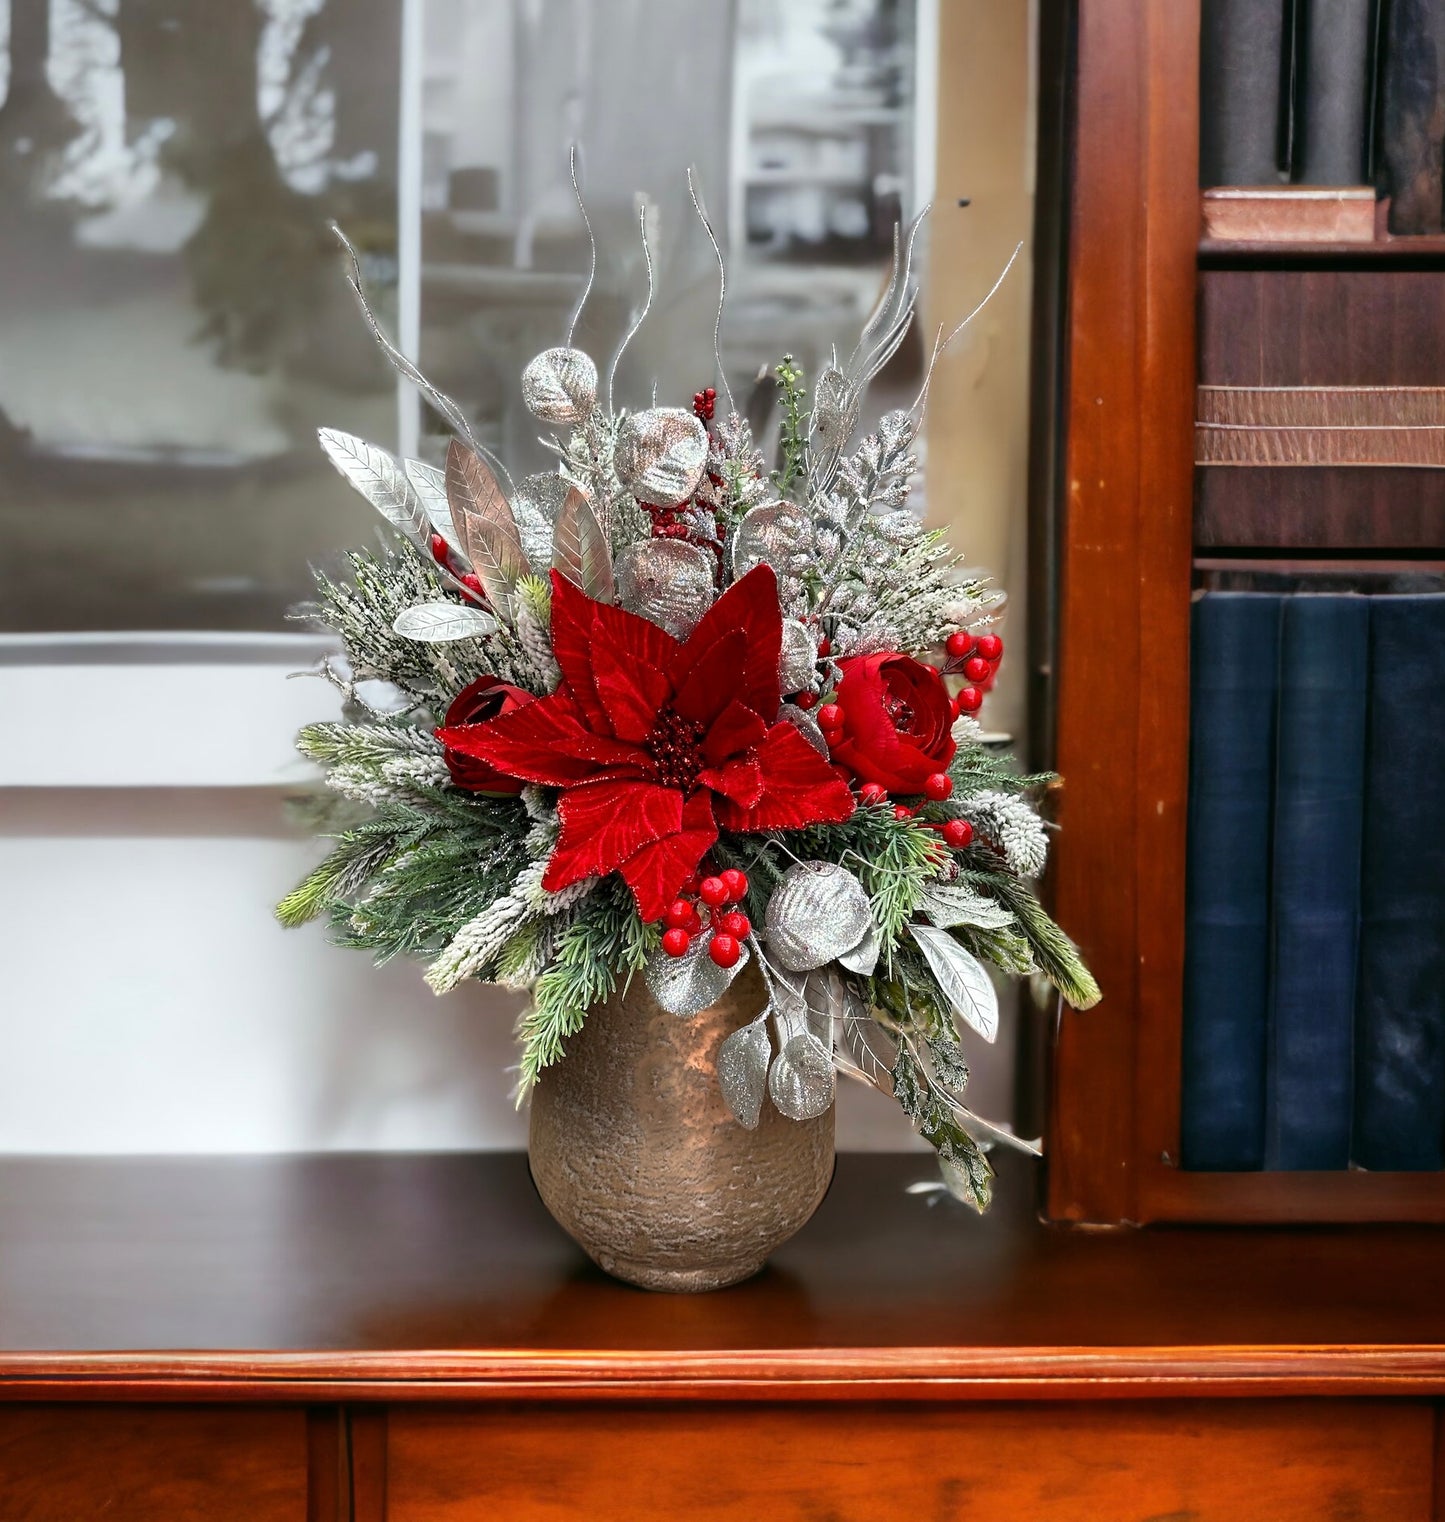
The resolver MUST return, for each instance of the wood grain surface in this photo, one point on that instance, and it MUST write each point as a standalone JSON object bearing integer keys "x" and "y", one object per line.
{"x": 1288, "y": 1462}
{"x": 414, "y": 1278}
{"x": 1123, "y": 641}
{"x": 69, "y": 1463}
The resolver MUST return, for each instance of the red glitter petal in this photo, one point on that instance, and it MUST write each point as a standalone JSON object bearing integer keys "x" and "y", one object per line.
{"x": 657, "y": 872}
{"x": 740, "y": 780}
{"x": 737, "y": 729}
{"x": 604, "y": 823}
{"x": 525, "y": 743}
{"x": 799, "y": 788}
{"x": 749, "y": 605}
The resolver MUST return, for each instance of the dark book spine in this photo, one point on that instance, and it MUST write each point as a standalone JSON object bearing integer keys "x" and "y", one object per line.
{"x": 1333, "y": 91}
{"x": 1411, "y": 144}
{"x": 1318, "y": 817}
{"x": 1226, "y": 974}
{"x": 1241, "y": 63}
{"x": 1400, "y": 1007}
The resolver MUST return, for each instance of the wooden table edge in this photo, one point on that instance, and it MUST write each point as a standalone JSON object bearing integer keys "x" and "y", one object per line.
{"x": 751, "y": 1375}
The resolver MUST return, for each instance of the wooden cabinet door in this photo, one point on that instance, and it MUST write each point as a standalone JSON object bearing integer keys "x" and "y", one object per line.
{"x": 1215, "y": 1461}
{"x": 72, "y": 1463}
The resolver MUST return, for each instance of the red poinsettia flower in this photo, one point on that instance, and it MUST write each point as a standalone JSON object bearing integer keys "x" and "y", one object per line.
{"x": 658, "y": 743}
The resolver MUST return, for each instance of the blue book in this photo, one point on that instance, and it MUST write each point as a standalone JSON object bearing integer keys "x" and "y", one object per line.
{"x": 1400, "y": 1007}
{"x": 1319, "y": 797}
{"x": 1233, "y": 684}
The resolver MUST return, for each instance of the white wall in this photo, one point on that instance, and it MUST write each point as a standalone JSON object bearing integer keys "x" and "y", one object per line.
{"x": 150, "y": 1001}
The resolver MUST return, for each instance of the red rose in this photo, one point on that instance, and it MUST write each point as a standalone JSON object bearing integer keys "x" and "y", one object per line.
{"x": 896, "y": 721}
{"x": 486, "y": 698}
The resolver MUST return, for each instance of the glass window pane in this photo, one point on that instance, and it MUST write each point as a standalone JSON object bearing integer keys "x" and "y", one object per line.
{"x": 173, "y": 320}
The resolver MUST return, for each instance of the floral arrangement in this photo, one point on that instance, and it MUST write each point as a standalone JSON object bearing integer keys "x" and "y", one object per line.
{"x": 666, "y": 711}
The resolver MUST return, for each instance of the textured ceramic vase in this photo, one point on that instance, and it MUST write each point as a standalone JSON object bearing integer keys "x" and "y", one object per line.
{"x": 639, "y": 1159}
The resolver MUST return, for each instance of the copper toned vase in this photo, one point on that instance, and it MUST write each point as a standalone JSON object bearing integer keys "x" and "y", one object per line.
{"x": 639, "y": 1159}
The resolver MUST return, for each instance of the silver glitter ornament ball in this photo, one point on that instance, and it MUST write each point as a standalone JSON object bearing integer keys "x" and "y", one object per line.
{"x": 661, "y": 454}
{"x": 560, "y": 386}
{"x": 666, "y": 581}
{"x": 816, "y": 913}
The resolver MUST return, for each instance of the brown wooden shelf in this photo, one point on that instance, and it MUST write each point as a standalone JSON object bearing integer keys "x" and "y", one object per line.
{"x": 408, "y": 1277}
{"x": 1282, "y": 563}
{"x": 1424, "y": 252}
{"x": 1131, "y": 529}
{"x": 1263, "y": 1198}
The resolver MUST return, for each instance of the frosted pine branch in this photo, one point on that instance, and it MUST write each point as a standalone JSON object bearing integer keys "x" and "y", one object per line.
{"x": 409, "y": 773}
{"x": 1012, "y": 825}
{"x": 478, "y": 943}
{"x": 365, "y": 744}
{"x": 481, "y": 942}
{"x": 362, "y": 784}
{"x": 535, "y": 637}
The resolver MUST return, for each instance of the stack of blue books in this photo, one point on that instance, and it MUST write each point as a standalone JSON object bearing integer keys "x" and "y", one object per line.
{"x": 1314, "y": 1000}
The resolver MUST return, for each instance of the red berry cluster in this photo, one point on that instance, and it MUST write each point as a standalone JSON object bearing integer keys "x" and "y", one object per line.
{"x": 703, "y": 404}
{"x": 977, "y": 657}
{"x": 666, "y": 521}
{"x": 729, "y": 927}
{"x": 956, "y": 833}
{"x": 441, "y": 552}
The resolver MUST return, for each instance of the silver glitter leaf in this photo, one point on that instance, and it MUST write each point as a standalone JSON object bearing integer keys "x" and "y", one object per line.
{"x": 545, "y": 492}
{"x": 536, "y": 503}
{"x": 968, "y": 1177}
{"x": 831, "y": 417}
{"x": 790, "y": 1002}
{"x": 660, "y": 455}
{"x": 863, "y": 957}
{"x": 873, "y": 1050}
{"x": 667, "y": 581}
{"x": 949, "y": 904}
{"x": 380, "y": 478}
{"x": 430, "y": 485}
{"x": 773, "y": 534}
{"x": 742, "y": 1071}
{"x": 579, "y": 548}
{"x": 486, "y": 526}
{"x": 560, "y": 386}
{"x": 961, "y": 976}
{"x": 823, "y": 994}
{"x": 436, "y": 623}
{"x": 806, "y": 725}
{"x": 686, "y": 985}
{"x": 818, "y": 911}
{"x": 801, "y": 1079}
{"x": 798, "y": 660}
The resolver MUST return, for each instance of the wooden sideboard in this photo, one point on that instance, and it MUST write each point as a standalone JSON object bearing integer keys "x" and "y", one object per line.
{"x": 410, "y": 1337}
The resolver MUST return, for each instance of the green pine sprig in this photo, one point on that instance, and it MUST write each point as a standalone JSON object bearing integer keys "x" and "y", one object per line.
{"x": 603, "y": 944}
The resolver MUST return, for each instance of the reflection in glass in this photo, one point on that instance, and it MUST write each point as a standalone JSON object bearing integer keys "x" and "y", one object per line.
{"x": 173, "y": 323}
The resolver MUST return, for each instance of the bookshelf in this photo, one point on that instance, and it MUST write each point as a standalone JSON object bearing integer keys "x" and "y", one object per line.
{"x": 1122, "y": 517}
